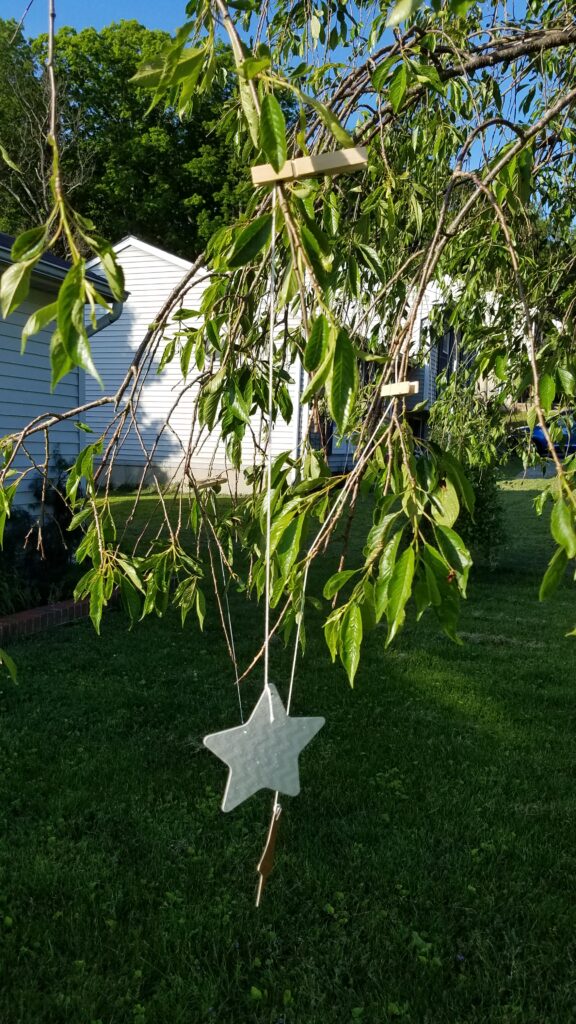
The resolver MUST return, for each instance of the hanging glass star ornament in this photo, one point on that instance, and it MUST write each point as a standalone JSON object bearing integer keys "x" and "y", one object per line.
{"x": 263, "y": 752}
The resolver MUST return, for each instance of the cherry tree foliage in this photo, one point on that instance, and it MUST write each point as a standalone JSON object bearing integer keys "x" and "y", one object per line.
{"x": 468, "y": 113}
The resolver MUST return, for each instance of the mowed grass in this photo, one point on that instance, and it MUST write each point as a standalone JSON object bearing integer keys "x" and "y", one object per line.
{"x": 424, "y": 875}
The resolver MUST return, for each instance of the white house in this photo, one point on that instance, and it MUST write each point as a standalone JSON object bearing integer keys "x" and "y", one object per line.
{"x": 151, "y": 275}
{"x": 25, "y": 390}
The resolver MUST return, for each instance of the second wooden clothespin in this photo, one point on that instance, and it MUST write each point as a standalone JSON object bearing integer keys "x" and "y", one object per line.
{"x": 342, "y": 161}
{"x": 400, "y": 387}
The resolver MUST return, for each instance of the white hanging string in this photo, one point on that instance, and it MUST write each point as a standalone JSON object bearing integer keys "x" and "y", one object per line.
{"x": 276, "y": 807}
{"x": 272, "y": 288}
{"x": 231, "y": 635}
{"x": 339, "y": 501}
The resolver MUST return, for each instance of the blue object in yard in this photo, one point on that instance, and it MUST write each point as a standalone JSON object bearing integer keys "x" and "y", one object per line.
{"x": 565, "y": 445}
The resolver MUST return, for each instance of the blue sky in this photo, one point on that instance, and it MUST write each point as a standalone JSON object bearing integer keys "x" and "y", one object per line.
{"x": 167, "y": 14}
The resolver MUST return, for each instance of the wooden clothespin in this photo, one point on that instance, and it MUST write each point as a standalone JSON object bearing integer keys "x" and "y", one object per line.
{"x": 266, "y": 862}
{"x": 342, "y": 161}
{"x": 400, "y": 387}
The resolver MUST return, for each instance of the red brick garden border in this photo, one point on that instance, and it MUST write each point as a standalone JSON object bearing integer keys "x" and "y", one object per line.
{"x": 36, "y": 619}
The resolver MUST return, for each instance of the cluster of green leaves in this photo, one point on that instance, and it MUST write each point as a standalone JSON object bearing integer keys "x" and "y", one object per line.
{"x": 443, "y": 110}
{"x": 146, "y": 584}
{"x": 69, "y": 345}
{"x": 193, "y": 180}
{"x": 412, "y": 551}
{"x": 562, "y": 492}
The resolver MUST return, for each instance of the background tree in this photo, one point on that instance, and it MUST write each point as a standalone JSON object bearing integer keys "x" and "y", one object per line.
{"x": 169, "y": 181}
{"x": 24, "y": 181}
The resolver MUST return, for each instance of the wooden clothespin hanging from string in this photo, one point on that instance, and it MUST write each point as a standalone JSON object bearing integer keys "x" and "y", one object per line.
{"x": 343, "y": 161}
{"x": 266, "y": 862}
{"x": 399, "y": 388}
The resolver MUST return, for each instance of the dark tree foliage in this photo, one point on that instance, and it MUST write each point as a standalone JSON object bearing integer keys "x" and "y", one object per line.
{"x": 464, "y": 212}
{"x": 169, "y": 181}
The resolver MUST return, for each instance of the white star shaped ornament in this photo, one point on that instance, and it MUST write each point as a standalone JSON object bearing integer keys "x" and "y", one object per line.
{"x": 263, "y": 753}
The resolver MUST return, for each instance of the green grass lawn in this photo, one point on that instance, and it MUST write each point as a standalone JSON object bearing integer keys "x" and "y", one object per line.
{"x": 424, "y": 875}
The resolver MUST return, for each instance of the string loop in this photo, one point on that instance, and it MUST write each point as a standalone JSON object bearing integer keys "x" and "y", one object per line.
{"x": 268, "y": 556}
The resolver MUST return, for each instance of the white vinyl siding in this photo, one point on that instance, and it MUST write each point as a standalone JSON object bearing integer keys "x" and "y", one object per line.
{"x": 25, "y": 392}
{"x": 151, "y": 276}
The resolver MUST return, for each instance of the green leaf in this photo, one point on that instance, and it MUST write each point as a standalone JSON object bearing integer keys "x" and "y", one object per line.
{"x": 131, "y": 599}
{"x": 97, "y": 601}
{"x": 237, "y": 404}
{"x": 455, "y": 552}
{"x": 331, "y": 634}
{"x": 562, "y": 527}
{"x": 387, "y": 563}
{"x": 343, "y": 381}
{"x": 79, "y": 518}
{"x": 149, "y": 75}
{"x": 83, "y": 355}
{"x": 501, "y": 366}
{"x": 553, "y": 574}
{"x": 323, "y": 372}
{"x": 131, "y": 573}
{"x": 200, "y": 608}
{"x": 399, "y": 591}
{"x": 566, "y": 380}
{"x": 547, "y": 391}
{"x": 314, "y": 253}
{"x": 351, "y": 640}
{"x": 427, "y": 74}
{"x": 371, "y": 259}
{"x": 278, "y": 527}
{"x": 381, "y": 73}
{"x": 29, "y": 245}
{"x": 14, "y": 286}
{"x": 320, "y": 242}
{"x": 353, "y": 277}
{"x": 456, "y": 474}
{"x": 461, "y": 7}
{"x": 6, "y": 499}
{"x": 249, "y": 108}
{"x": 402, "y": 10}
{"x": 208, "y": 407}
{"x": 273, "y": 132}
{"x": 317, "y": 344}
{"x": 443, "y": 590}
{"x": 337, "y": 581}
{"x": 37, "y": 322}
{"x": 397, "y": 87}
{"x": 9, "y": 665}
{"x": 113, "y": 271}
{"x": 60, "y": 362}
{"x": 70, "y": 312}
{"x": 7, "y": 160}
{"x": 289, "y": 545}
{"x": 250, "y": 241}
{"x": 330, "y": 120}
{"x": 445, "y": 504}
{"x": 252, "y": 66}
{"x": 422, "y": 597}
{"x": 377, "y": 537}
{"x": 524, "y": 180}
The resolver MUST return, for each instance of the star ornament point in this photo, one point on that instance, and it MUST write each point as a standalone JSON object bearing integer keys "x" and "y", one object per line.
{"x": 263, "y": 752}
